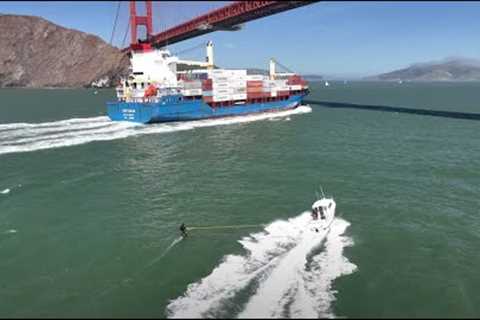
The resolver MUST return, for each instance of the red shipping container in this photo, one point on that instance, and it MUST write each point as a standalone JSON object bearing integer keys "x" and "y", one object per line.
{"x": 293, "y": 80}
{"x": 207, "y": 84}
{"x": 257, "y": 95}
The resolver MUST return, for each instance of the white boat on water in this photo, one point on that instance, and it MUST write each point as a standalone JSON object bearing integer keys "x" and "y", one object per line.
{"x": 323, "y": 213}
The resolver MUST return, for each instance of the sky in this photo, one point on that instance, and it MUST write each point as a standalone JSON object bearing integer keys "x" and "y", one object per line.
{"x": 344, "y": 39}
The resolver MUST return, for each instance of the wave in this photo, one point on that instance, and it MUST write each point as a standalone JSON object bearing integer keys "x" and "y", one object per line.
{"x": 5, "y": 191}
{"x": 282, "y": 275}
{"x": 27, "y": 137}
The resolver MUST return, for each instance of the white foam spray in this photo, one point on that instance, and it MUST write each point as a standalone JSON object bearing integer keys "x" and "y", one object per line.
{"x": 5, "y": 191}
{"x": 25, "y": 137}
{"x": 277, "y": 275}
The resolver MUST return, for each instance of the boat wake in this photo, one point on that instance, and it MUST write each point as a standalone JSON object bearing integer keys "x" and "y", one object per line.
{"x": 174, "y": 242}
{"x": 25, "y": 137}
{"x": 287, "y": 272}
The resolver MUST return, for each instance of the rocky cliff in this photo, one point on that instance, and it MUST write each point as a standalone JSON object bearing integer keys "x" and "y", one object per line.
{"x": 37, "y": 53}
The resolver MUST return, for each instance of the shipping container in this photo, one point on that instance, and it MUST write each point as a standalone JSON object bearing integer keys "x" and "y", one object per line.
{"x": 217, "y": 71}
{"x": 256, "y": 77}
{"x": 218, "y": 85}
{"x": 254, "y": 83}
{"x": 220, "y": 79}
{"x": 256, "y": 95}
{"x": 192, "y": 92}
{"x": 222, "y": 98}
{"x": 239, "y": 96}
{"x": 239, "y": 90}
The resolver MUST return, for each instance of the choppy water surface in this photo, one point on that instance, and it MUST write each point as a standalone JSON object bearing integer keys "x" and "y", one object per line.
{"x": 90, "y": 209}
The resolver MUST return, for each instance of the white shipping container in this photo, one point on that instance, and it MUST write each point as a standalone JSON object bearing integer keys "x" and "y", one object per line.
{"x": 255, "y": 77}
{"x": 220, "y": 85}
{"x": 239, "y": 90}
{"x": 296, "y": 87}
{"x": 238, "y": 80}
{"x": 219, "y": 79}
{"x": 224, "y": 72}
{"x": 192, "y": 92}
{"x": 241, "y": 72}
{"x": 222, "y": 98}
{"x": 229, "y": 80}
{"x": 218, "y": 71}
{"x": 192, "y": 84}
{"x": 229, "y": 86}
{"x": 280, "y": 83}
{"x": 222, "y": 91}
{"x": 238, "y": 85}
{"x": 239, "y": 96}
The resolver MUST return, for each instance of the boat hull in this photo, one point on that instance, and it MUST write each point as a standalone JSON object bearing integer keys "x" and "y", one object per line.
{"x": 174, "y": 108}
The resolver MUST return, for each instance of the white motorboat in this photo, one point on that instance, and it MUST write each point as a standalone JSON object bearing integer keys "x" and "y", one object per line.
{"x": 323, "y": 213}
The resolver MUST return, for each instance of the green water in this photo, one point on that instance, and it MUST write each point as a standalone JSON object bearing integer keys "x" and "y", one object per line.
{"x": 85, "y": 228}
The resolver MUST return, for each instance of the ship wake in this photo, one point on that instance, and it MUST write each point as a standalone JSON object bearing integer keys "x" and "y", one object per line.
{"x": 25, "y": 137}
{"x": 286, "y": 272}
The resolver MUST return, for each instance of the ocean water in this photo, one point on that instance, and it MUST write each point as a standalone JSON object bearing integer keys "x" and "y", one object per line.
{"x": 90, "y": 209}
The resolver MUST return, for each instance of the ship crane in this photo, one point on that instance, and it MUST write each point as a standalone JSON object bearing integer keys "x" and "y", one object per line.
{"x": 208, "y": 63}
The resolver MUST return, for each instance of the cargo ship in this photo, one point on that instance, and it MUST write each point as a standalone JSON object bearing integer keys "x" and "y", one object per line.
{"x": 155, "y": 91}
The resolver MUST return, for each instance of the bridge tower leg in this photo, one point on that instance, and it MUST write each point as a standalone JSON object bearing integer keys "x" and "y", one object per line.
{"x": 136, "y": 21}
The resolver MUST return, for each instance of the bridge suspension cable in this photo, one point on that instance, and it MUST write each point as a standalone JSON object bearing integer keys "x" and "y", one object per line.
{"x": 203, "y": 44}
{"x": 115, "y": 22}
{"x": 125, "y": 35}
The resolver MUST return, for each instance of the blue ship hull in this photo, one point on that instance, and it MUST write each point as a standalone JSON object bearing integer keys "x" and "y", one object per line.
{"x": 174, "y": 108}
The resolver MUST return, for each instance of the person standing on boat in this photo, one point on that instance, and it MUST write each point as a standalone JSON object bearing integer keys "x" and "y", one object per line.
{"x": 322, "y": 214}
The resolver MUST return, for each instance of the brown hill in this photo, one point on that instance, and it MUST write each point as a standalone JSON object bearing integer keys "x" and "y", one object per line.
{"x": 37, "y": 53}
{"x": 449, "y": 69}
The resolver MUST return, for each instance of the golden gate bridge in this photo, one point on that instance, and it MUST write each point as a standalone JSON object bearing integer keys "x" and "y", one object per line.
{"x": 227, "y": 18}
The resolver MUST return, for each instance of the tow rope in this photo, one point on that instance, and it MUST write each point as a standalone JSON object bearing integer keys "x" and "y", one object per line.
{"x": 226, "y": 227}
